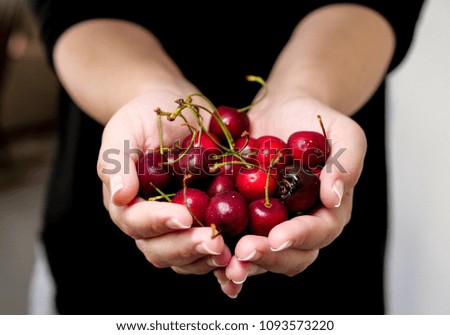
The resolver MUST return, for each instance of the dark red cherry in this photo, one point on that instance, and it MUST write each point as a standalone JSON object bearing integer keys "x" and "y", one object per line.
{"x": 299, "y": 188}
{"x": 196, "y": 162}
{"x": 309, "y": 148}
{"x": 221, "y": 183}
{"x": 196, "y": 201}
{"x": 151, "y": 170}
{"x": 317, "y": 170}
{"x": 235, "y": 121}
{"x": 251, "y": 183}
{"x": 228, "y": 211}
{"x": 264, "y": 217}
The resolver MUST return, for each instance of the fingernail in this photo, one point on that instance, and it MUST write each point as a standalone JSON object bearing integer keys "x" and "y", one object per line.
{"x": 249, "y": 257}
{"x": 222, "y": 282}
{"x": 116, "y": 184}
{"x": 212, "y": 262}
{"x": 338, "y": 188}
{"x": 173, "y": 223}
{"x": 233, "y": 296}
{"x": 240, "y": 281}
{"x": 202, "y": 248}
{"x": 283, "y": 246}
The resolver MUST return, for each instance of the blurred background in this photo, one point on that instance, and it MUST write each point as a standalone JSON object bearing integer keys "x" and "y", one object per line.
{"x": 418, "y": 270}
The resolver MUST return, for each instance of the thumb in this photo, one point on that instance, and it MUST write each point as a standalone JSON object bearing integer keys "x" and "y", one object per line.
{"x": 343, "y": 166}
{"x": 116, "y": 167}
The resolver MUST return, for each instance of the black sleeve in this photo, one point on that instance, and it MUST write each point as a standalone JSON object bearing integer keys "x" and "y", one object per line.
{"x": 55, "y": 16}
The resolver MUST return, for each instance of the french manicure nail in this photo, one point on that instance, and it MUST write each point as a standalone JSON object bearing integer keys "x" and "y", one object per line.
{"x": 249, "y": 257}
{"x": 116, "y": 184}
{"x": 338, "y": 188}
{"x": 212, "y": 262}
{"x": 173, "y": 223}
{"x": 283, "y": 246}
{"x": 222, "y": 281}
{"x": 202, "y": 248}
{"x": 240, "y": 281}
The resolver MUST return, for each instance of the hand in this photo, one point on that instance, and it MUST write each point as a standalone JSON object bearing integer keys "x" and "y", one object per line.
{"x": 293, "y": 245}
{"x": 157, "y": 227}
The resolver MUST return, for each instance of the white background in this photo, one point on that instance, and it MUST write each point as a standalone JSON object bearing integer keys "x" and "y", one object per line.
{"x": 418, "y": 275}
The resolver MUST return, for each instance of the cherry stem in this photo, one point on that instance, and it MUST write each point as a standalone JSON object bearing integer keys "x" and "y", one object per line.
{"x": 266, "y": 191}
{"x": 261, "y": 81}
{"x": 200, "y": 123}
{"x": 162, "y": 194}
{"x": 274, "y": 161}
{"x": 247, "y": 164}
{"x": 219, "y": 120}
{"x": 321, "y": 125}
{"x": 159, "y": 197}
{"x": 186, "y": 177}
{"x": 184, "y": 153}
{"x": 160, "y": 130}
{"x": 214, "y": 230}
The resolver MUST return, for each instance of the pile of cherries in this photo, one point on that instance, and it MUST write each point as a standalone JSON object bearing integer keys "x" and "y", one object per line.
{"x": 229, "y": 180}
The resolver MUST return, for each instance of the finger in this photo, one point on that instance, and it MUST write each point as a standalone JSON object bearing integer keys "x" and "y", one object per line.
{"x": 205, "y": 264}
{"x": 344, "y": 163}
{"x": 238, "y": 270}
{"x": 146, "y": 219}
{"x": 313, "y": 231}
{"x": 116, "y": 163}
{"x": 182, "y": 247}
{"x": 228, "y": 287}
{"x": 254, "y": 257}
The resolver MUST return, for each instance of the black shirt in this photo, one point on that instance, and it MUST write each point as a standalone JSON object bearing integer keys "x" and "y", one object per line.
{"x": 99, "y": 270}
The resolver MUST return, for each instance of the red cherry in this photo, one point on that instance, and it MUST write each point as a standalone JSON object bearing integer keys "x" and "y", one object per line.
{"x": 229, "y": 167}
{"x": 196, "y": 200}
{"x": 251, "y": 183}
{"x": 201, "y": 140}
{"x": 248, "y": 147}
{"x": 151, "y": 171}
{"x": 309, "y": 148}
{"x": 263, "y": 218}
{"x": 269, "y": 148}
{"x": 235, "y": 121}
{"x": 221, "y": 183}
{"x": 299, "y": 187}
{"x": 228, "y": 211}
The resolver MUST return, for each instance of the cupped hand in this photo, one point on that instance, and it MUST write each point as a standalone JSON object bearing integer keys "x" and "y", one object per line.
{"x": 161, "y": 230}
{"x": 293, "y": 245}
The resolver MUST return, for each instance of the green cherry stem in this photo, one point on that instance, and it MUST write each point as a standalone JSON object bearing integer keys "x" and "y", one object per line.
{"x": 184, "y": 153}
{"x": 186, "y": 177}
{"x": 222, "y": 126}
{"x": 194, "y": 110}
{"x": 160, "y": 130}
{"x": 215, "y": 115}
{"x": 274, "y": 161}
{"x": 162, "y": 194}
{"x": 261, "y": 81}
{"x": 159, "y": 197}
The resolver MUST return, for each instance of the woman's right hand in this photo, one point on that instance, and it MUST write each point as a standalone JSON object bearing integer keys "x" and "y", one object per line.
{"x": 162, "y": 231}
